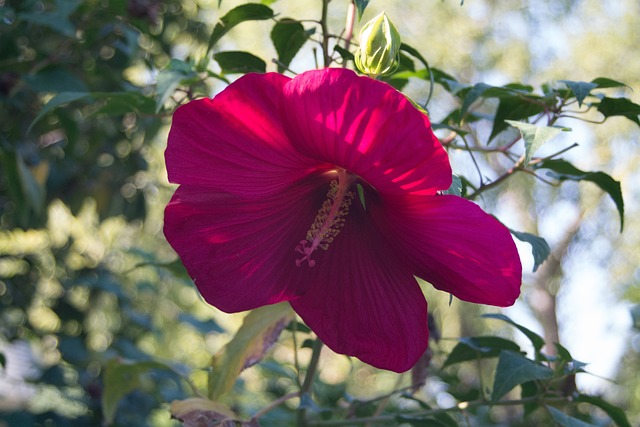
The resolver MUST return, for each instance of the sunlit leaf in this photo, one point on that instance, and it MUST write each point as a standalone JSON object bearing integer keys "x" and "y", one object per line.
{"x": 482, "y": 347}
{"x": 539, "y": 247}
{"x": 534, "y": 136}
{"x": 259, "y": 331}
{"x": 288, "y": 36}
{"x": 238, "y": 15}
{"x": 514, "y": 369}
{"x": 565, "y": 420}
{"x": 536, "y": 340}
{"x": 563, "y": 170}
{"x": 616, "y": 413}
{"x": 514, "y": 107}
{"x": 239, "y": 62}
{"x": 198, "y": 412}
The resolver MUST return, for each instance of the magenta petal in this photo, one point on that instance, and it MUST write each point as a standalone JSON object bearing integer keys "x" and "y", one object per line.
{"x": 235, "y": 142}
{"x": 456, "y": 246}
{"x": 363, "y": 301}
{"x": 241, "y": 253}
{"x": 366, "y": 127}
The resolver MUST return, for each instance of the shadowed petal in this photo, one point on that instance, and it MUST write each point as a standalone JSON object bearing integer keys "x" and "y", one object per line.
{"x": 234, "y": 142}
{"x": 366, "y": 127}
{"x": 362, "y": 300}
{"x": 241, "y": 253}
{"x": 456, "y": 246}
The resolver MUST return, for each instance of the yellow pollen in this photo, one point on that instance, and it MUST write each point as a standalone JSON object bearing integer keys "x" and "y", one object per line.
{"x": 329, "y": 219}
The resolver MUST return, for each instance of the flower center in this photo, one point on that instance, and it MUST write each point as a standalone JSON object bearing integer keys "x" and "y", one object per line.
{"x": 329, "y": 219}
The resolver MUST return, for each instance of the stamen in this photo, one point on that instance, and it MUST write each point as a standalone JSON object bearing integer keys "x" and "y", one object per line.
{"x": 329, "y": 219}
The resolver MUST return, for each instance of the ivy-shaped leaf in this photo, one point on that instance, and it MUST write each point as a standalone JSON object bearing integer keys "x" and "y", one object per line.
{"x": 539, "y": 247}
{"x": 534, "y": 136}
{"x": 361, "y": 5}
{"x": 563, "y": 170}
{"x": 238, "y": 15}
{"x": 259, "y": 331}
{"x": 514, "y": 107}
{"x": 580, "y": 89}
{"x": 239, "y": 62}
{"x": 514, "y": 369}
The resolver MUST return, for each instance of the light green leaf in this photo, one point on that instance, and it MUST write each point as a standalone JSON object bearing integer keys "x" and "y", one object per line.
{"x": 170, "y": 78}
{"x": 514, "y": 107}
{"x": 563, "y": 170}
{"x": 259, "y": 331}
{"x": 456, "y": 186}
{"x": 191, "y": 412}
{"x": 514, "y": 369}
{"x": 539, "y": 247}
{"x": 565, "y": 420}
{"x": 534, "y": 136}
{"x": 239, "y": 62}
{"x": 238, "y": 15}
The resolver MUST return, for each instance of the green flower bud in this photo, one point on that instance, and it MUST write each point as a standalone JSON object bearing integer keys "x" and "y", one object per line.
{"x": 379, "y": 50}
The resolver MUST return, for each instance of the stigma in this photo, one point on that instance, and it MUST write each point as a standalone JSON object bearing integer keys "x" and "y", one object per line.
{"x": 330, "y": 218}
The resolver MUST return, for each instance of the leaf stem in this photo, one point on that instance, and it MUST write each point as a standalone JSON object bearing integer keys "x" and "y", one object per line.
{"x": 308, "y": 381}
{"x": 326, "y": 58}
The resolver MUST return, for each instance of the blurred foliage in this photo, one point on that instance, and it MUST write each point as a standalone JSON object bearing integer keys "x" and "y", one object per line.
{"x": 99, "y": 323}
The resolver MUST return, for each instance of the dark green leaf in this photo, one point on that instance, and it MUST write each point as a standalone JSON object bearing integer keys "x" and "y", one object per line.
{"x": 128, "y": 102}
{"x": 202, "y": 326}
{"x": 288, "y": 37}
{"x": 3, "y": 361}
{"x": 605, "y": 83}
{"x": 361, "y": 6}
{"x": 239, "y": 62}
{"x": 534, "y": 136}
{"x": 471, "y": 96}
{"x": 242, "y": 13}
{"x": 580, "y": 89}
{"x": 563, "y": 170}
{"x": 610, "y": 107}
{"x": 170, "y": 78}
{"x": 344, "y": 53}
{"x": 57, "y": 19}
{"x": 484, "y": 347}
{"x": 514, "y": 107}
{"x": 56, "y": 101}
{"x": 565, "y": 420}
{"x": 536, "y": 340}
{"x": 539, "y": 247}
{"x": 617, "y": 414}
{"x": 55, "y": 79}
{"x": 514, "y": 369}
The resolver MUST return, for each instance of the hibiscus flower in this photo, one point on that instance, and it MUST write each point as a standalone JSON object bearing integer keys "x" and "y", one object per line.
{"x": 325, "y": 191}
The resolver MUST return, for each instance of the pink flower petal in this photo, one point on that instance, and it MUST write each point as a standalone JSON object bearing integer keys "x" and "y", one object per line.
{"x": 363, "y": 301}
{"x": 454, "y": 245}
{"x": 234, "y": 142}
{"x": 366, "y": 127}
{"x": 241, "y": 253}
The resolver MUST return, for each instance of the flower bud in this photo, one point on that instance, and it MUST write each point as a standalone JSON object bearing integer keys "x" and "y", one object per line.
{"x": 379, "y": 50}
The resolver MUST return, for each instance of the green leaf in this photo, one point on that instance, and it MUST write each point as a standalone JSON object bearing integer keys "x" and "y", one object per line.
{"x": 3, "y": 361}
{"x": 121, "y": 379}
{"x": 536, "y": 340}
{"x": 604, "y": 83}
{"x": 55, "y": 80}
{"x": 438, "y": 420}
{"x": 239, "y": 62}
{"x": 580, "y": 89}
{"x": 617, "y": 414}
{"x": 57, "y": 19}
{"x": 202, "y": 326}
{"x": 259, "y": 331}
{"x": 238, "y": 15}
{"x": 56, "y": 101}
{"x": 514, "y": 369}
{"x": 483, "y": 347}
{"x": 534, "y": 136}
{"x": 30, "y": 194}
{"x": 571, "y": 366}
{"x": 455, "y": 188}
{"x": 610, "y": 107}
{"x": 539, "y": 247}
{"x": 128, "y": 102}
{"x": 361, "y": 5}
{"x": 288, "y": 36}
{"x": 565, "y": 420}
{"x": 514, "y": 107}
{"x": 471, "y": 96}
{"x": 563, "y": 170}
{"x": 170, "y": 78}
